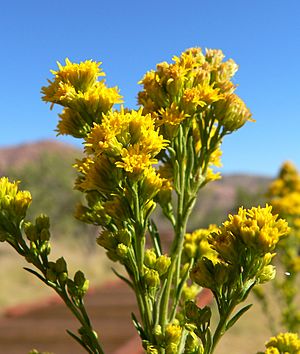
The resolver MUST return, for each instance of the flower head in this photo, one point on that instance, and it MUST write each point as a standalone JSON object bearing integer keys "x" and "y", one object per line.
{"x": 13, "y": 205}
{"x": 283, "y": 343}
{"x": 76, "y": 87}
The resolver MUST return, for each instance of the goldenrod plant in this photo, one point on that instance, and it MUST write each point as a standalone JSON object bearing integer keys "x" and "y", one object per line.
{"x": 161, "y": 154}
{"x": 284, "y": 196}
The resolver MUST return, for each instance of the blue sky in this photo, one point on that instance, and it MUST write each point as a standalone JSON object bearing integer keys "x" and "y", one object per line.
{"x": 131, "y": 37}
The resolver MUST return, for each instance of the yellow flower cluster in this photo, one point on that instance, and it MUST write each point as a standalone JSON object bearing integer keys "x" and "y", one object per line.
{"x": 121, "y": 149}
{"x": 126, "y": 141}
{"x": 129, "y": 137}
{"x": 195, "y": 83}
{"x": 244, "y": 242}
{"x": 196, "y": 244}
{"x": 76, "y": 87}
{"x": 283, "y": 343}
{"x": 255, "y": 228}
{"x": 284, "y": 193}
{"x": 13, "y": 205}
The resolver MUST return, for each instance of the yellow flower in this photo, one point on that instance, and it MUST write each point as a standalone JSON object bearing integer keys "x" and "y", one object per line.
{"x": 79, "y": 76}
{"x": 98, "y": 174}
{"x": 72, "y": 123}
{"x": 288, "y": 204}
{"x": 152, "y": 183}
{"x": 76, "y": 87}
{"x": 135, "y": 161}
{"x": 192, "y": 82}
{"x": 196, "y": 244}
{"x": 171, "y": 116}
{"x": 13, "y": 204}
{"x": 284, "y": 343}
{"x": 199, "y": 96}
{"x": 232, "y": 112}
{"x": 256, "y": 228}
{"x": 123, "y": 129}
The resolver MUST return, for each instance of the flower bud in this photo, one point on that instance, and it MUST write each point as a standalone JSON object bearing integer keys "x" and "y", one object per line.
{"x": 267, "y": 273}
{"x": 45, "y": 235}
{"x": 61, "y": 265}
{"x": 162, "y": 264}
{"x": 232, "y": 112}
{"x": 125, "y": 237}
{"x": 152, "y": 278}
{"x": 51, "y": 275}
{"x": 42, "y": 222}
{"x": 122, "y": 251}
{"x": 157, "y": 332}
{"x": 30, "y": 231}
{"x": 150, "y": 258}
{"x": 173, "y": 333}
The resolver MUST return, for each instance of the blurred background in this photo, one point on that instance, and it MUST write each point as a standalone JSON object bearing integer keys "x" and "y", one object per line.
{"x": 130, "y": 38}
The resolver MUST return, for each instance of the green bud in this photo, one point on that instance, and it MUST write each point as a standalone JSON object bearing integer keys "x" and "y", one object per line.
{"x": 51, "y": 275}
{"x": 150, "y": 258}
{"x": 267, "y": 273}
{"x": 122, "y": 250}
{"x": 45, "y": 248}
{"x": 63, "y": 277}
{"x": 30, "y": 231}
{"x": 45, "y": 235}
{"x": 152, "y": 278}
{"x": 157, "y": 332}
{"x": 79, "y": 278}
{"x": 81, "y": 283}
{"x": 61, "y": 265}
{"x": 162, "y": 264}
{"x": 42, "y": 222}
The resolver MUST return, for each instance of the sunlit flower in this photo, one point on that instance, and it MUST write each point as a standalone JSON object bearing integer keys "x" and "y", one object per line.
{"x": 232, "y": 112}
{"x": 13, "y": 204}
{"x": 283, "y": 343}
{"x": 256, "y": 228}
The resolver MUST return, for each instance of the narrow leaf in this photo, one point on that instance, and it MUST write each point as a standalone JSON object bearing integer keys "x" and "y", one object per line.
{"x": 36, "y": 274}
{"x": 122, "y": 278}
{"x": 237, "y": 316}
{"x": 138, "y": 327}
{"x": 155, "y": 237}
{"x": 79, "y": 340}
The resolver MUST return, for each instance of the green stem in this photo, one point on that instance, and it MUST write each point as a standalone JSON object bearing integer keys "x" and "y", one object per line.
{"x": 221, "y": 328}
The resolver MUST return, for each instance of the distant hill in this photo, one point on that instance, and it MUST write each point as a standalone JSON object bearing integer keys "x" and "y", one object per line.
{"x": 18, "y": 156}
{"x": 45, "y": 168}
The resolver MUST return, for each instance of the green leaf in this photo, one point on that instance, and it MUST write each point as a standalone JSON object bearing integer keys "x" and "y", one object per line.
{"x": 122, "y": 278}
{"x": 237, "y": 316}
{"x": 79, "y": 340}
{"x": 155, "y": 237}
{"x": 138, "y": 327}
{"x": 36, "y": 274}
